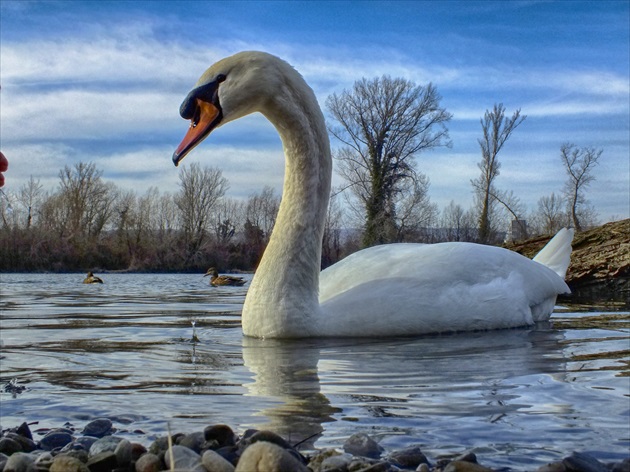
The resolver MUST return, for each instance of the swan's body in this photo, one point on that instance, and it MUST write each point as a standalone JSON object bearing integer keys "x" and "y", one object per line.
{"x": 392, "y": 290}
{"x": 217, "y": 280}
{"x": 92, "y": 279}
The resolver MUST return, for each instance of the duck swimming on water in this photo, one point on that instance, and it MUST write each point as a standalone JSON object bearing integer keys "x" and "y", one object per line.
{"x": 388, "y": 290}
{"x": 92, "y": 279}
{"x": 217, "y": 280}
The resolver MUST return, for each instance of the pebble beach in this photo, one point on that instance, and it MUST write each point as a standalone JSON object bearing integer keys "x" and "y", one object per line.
{"x": 96, "y": 447}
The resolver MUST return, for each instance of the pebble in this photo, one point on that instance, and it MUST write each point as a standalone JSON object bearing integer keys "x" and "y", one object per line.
{"x": 214, "y": 462}
{"x": 583, "y": 463}
{"x": 360, "y": 444}
{"x": 410, "y": 457}
{"x": 63, "y": 463}
{"x": 263, "y": 456}
{"x": 219, "y": 449}
{"x": 105, "y": 444}
{"x": 55, "y": 439}
{"x": 18, "y": 462}
{"x": 98, "y": 428}
{"x": 181, "y": 457}
{"x": 148, "y": 463}
{"x": 102, "y": 462}
{"x": 465, "y": 466}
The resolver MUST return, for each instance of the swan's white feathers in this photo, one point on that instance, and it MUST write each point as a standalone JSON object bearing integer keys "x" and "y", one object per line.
{"x": 554, "y": 255}
{"x": 391, "y": 290}
{"x": 417, "y": 288}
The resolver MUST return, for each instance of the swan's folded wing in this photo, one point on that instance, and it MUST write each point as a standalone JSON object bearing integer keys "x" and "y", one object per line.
{"x": 411, "y": 289}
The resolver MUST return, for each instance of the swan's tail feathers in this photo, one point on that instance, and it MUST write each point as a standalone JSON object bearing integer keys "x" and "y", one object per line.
{"x": 557, "y": 253}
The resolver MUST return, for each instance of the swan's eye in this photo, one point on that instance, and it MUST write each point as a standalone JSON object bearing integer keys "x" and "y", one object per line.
{"x": 196, "y": 117}
{"x": 221, "y": 78}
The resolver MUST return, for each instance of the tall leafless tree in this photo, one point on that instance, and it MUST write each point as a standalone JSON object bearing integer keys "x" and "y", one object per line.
{"x": 30, "y": 196}
{"x": 261, "y": 211}
{"x": 200, "y": 191}
{"x": 496, "y": 128}
{"x": 550, "y": 214}
{"x": 579, "y": 164}
{"x": 89, "y": 199}
{"x": 457, "y": 224}
{"x": 383, "y": 123}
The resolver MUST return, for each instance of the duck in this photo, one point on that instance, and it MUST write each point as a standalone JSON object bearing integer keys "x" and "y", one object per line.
{"x": 403, "y": 289}
{"x": 92, "y": 279}
{"x": 217, "y": 280}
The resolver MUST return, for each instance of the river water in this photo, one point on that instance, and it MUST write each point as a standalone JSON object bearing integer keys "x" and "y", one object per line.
{"x": 159, "y": 351}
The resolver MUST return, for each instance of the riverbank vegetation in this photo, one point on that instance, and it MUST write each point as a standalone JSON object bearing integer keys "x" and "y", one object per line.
{"x": 89, "y": 223}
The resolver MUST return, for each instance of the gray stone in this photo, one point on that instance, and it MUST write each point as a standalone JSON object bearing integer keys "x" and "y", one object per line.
{"x": 106, "y": 444}
{"x": 360, "y": 444}
{"x": 264, "y": 456}
{"x": 159, "y": 445}
{"x": 194, "y": 441}
{"x": 214, "y": 462}
{"x": 85, "y": 441}
{"x": 148, "y": 463}
{"x": 579, "y": 462}
{"x": 221, "y": 433}
{"x": 78, "y": 453}
{"x": 335, "y": 463}
{"x": 98, "y": 428}
{"x": 25, "y": 443}
{"x": 465, "y": 466}
{"x": 3, "y": 460}
{"x": 123, "y": 453}
{"x": 44, "y": 461}
{"x": 269, "y": 436}
{"x": 65, "y": 463}
{"x": 54, "y": 440}
{"x": 623, "y": 466}
{"x": 181, "y": 457}
{"x": 102, "y": 462}
{"x": 19, "y": 462}
{"x": 9, "y": 446}
{"x": 409, "y": 457}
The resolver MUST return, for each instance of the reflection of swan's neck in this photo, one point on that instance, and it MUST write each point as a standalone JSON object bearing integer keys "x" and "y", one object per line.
{"x": 283, "y": 296}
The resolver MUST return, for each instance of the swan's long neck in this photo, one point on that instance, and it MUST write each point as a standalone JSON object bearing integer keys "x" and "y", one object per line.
{"x": 282, "y": 300}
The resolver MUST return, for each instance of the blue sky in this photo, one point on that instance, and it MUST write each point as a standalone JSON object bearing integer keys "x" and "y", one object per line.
{"x": 103, "y": 81}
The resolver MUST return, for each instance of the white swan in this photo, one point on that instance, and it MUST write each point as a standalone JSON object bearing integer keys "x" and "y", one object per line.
{"x": 391, "y": 290}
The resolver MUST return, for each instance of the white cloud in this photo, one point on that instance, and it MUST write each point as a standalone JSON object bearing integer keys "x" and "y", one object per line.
{"x": 124, "y": 84}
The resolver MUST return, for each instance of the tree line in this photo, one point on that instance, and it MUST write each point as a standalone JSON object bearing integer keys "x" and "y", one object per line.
{"x": 382, "y": 124}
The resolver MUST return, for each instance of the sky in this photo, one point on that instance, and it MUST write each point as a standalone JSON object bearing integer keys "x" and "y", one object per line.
{"x": 85, "y": 81}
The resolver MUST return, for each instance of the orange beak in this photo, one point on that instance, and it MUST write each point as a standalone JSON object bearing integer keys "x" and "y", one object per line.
{"x": 206, "y": 118}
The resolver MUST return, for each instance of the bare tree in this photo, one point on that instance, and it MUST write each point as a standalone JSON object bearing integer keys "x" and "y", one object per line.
{"x": 30, "y": 195}
{"x": 457, "y": 223}
{"x": 550, "y": 214}
{"x": 383, "y": 123}
{"x": 200, "y": 191}
{"x": 89, "y": 200}
{"x": 496, "y": 128}
{"x": 579, "y": 164}
{"x": 261, "y": 211}
{"x": 331, "y": 244}
{"x": 415, "y": 212}
{"x": 229, "y": 216}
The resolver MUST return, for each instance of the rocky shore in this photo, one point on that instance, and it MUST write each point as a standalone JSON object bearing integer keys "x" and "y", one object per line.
{"x": 97, "y": 448}
{"x": 600, "y": 262}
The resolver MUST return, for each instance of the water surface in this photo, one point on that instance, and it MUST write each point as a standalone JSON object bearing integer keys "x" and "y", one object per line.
{"x": 125, "y": 350}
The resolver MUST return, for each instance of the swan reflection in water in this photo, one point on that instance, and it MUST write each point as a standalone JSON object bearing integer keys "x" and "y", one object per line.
{"x": 479, "y": 376}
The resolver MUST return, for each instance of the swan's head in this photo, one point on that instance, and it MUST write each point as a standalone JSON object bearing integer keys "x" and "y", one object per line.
{"x": 230, "y": 89}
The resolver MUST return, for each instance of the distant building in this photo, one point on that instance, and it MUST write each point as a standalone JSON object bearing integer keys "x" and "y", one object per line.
{"x": 518, "y": 230}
